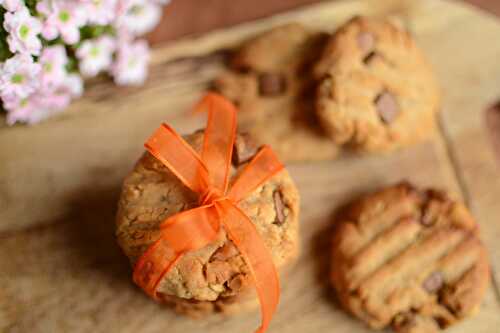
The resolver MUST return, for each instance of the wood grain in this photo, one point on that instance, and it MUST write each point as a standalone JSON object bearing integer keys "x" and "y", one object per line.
{"x": 188, "y": 17}
{"x": 61, "y": 270}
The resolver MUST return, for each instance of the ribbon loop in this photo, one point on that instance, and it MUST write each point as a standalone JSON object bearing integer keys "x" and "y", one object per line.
{"x": 168, "y": 147}
{"x": 219, "y": 138}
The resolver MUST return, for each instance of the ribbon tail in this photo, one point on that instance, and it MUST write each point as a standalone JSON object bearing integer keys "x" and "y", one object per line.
{"x": 187, "y": 231}
{"x": 251, "y": 246}
{"x": 263, "y": 166}
{"x": 178, "y": 156}
{"x": 219, "y": 139}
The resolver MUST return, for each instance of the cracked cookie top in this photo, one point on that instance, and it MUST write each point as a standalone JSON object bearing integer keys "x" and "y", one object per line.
{"x": 377, "y": 91}
{"x": 151, "y": 193}
{"x": 410, "y": 259}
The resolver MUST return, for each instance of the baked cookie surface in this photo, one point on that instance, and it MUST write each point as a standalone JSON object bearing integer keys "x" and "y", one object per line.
{"x": 214, "y": 278}
{"x": 376, "y": 92}
{"x": 270, "y": 80}
{"x": 409, "y": 259}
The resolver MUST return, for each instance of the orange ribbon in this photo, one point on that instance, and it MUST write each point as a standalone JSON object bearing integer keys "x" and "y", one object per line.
{"x": 208, "y": 175}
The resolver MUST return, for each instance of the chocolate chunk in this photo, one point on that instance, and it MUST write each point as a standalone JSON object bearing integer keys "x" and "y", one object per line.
{"x": 225, "y": 252}
{"x": 244, "y": 149}
{"x": 369, "y": 57}
{"x": 218, "y": 272}
{"x": 387, "y": 107}
{"x": 442, "y": 322}
{"x": 403, "y": 321}
{"x": 431, "y": 213}
{"x": 409, "y": 189}
{"x": 438, "y": 194}
{"x": 434, "y": 282}
{"x": 279, "y": 207}
{"x": 493, "y": 125}
{"x": 366, "y": 41}
{"x": 272, "y": 84}
{"x": 137, "y": 235}
{"x": 236, "y": 283}
{"x": 427, "y": 219}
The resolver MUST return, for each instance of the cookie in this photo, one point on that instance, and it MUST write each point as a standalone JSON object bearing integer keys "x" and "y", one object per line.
{"x": 410, "y": 259}
{"x": 214, "y": 278}
{"x": 270, "y": 80}
{"x": 377, "y": 92}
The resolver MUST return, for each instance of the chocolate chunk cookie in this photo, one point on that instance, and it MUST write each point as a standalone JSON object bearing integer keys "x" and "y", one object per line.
{"x": 409, "y": 259}
{"x": 377, "y": 91}
{"x": 270, "y": 80}
{"x": 214, "y": 278}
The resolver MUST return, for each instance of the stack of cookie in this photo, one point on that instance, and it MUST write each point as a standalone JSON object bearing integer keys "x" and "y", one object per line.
{"x": 216, "y": 277}
{"x": 366, "y": 88}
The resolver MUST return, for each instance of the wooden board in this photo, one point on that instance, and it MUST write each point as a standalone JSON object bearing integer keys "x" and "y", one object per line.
{"x": 60, "y": 268}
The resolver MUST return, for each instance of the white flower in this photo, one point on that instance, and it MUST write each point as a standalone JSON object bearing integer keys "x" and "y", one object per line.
{"x": 131, "y": 64}
{"x": 32, "y": 91}
{"x": 11, "y": 5}
{"x": 43, "y": 103}
{"x": 62, "y": 18}
{"x": 53, "y": 61}
{"x": 26, "y": 110}
{"x": 100, "y": 12}
{"x": 139, "y": 16}
{"x": 73, "y": 85}
{"x": 23, "y": 32}
{"x": 95, "y": 55}
{"x": 19, "y": 77}
{"x": 37, "y": 107}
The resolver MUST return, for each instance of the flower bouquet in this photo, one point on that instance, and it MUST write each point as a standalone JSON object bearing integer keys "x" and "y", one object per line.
{"x": 47, "y": 48}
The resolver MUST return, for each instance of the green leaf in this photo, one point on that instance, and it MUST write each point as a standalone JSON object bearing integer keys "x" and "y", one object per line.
{"x": 31, "y": 4}
{"x": 4, "y": 47}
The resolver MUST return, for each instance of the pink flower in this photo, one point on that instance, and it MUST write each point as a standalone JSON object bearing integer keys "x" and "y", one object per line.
{"x": 131, "y": 64}
{"x": 73, "y": 85}
{"x": 95, "y": 55}
{"x": 54, "y": 74}
{"x": 53, "y": 60}
{"x": 62, "y": 18}
{"x": 23, "y": 32}
{"x": 139, "y": 16}
{"x": 36, "y": 107}
{"x": 100, "y": 12}
{"x": 19, "y": 77}
{"x": 27, "y": 110}
{"x": 11, "y": 5}
{"x": 43, "y": 103}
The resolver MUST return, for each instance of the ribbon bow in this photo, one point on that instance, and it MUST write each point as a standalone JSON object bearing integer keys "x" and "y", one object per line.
{"x": 208, "y": 175}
